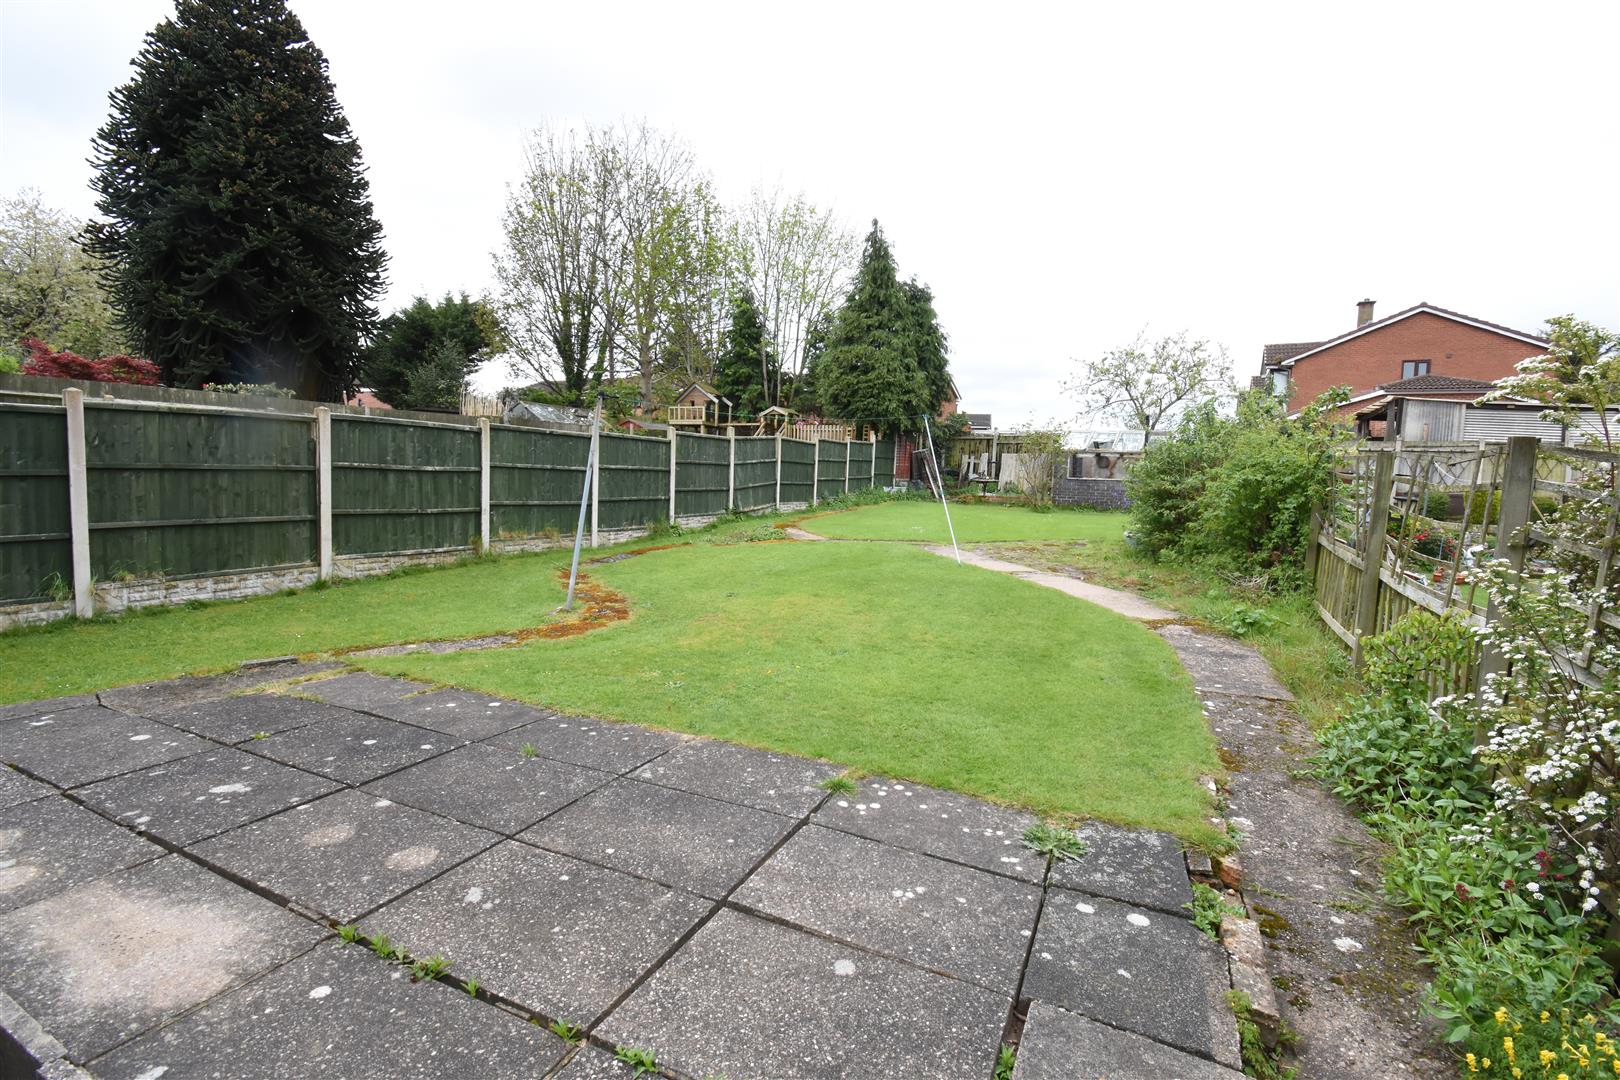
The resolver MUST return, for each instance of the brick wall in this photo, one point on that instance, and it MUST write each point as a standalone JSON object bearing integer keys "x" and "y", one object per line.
{"x": 1101, "y": 494}
{"x": 1365, "y": 362}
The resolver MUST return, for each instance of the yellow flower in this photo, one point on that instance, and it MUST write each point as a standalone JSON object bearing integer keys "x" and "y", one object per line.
{"x": 1507, "y": 1048}
{"x": 1486, "y": 1063}
{"x": 1547, "y": 1058}
{"x": 1545, "y": 1016}
{"x": 1501, "y": 1015}
{"x": 1473, "y": 1063}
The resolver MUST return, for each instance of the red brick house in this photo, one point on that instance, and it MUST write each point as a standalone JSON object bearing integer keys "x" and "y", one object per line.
{"x": 1419, "y": 341}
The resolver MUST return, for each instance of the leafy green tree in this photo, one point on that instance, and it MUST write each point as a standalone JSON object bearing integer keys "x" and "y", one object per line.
{"x": 424, "y": 354}
{"x": 239, "y": 237}
{"x": 1149, "y": 383}
{"x": 1577, "y": 378}
{"x": 748, "y": 361}
{"x": 869, "y": 369}
{"x": 49, "y": 287}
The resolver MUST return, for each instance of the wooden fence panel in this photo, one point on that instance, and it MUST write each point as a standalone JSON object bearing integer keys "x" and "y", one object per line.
{"x": 536, "y": 478}
{"x": 35, "y": 550}
{"x": 400, "y": 486}
{"x": 798, "y": 470}
{"x": 860, "y": 465}
{"x": 832, "y": 461}
{"x": 756, "y": 473}
{"x": 883, "y": 463}
{"x": 187, "y": 493}
{"x": 635, "y": 481}
{"x": 702, "y": 475}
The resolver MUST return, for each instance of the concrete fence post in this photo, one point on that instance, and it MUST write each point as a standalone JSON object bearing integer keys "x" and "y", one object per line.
{"x": 847, "y": 444}
{"x": 1372, "y": 559}
{"x": 323, "y": 488}
{"x": 779, "y": 470}
{"x": 673, "y": 437}
{"x": 731, "y": 468}
{"x": 815, "y": 473}
{"x": 483, "y": 484}
{"x": 596, "y": 471}
{"x": 84, "y": 600}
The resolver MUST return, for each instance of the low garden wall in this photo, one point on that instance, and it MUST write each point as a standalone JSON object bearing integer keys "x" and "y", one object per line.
{"x": 1099, "y": 493}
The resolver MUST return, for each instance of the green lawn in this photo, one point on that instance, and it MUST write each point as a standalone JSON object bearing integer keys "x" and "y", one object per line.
{"x": 478, "y": 597}
{"x": 887, "y": 659}
{"x": 976, "y": 523}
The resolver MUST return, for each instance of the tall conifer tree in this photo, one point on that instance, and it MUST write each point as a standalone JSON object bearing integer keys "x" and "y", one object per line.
{"x": 747, "y": 359}
{"x": 239, "y": 233}
{"x": 869, "y": 370}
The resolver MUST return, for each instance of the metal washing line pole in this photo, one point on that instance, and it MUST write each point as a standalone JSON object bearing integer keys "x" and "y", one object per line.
{"x": 585, "y": 498}
{"x": 939, "y": 478}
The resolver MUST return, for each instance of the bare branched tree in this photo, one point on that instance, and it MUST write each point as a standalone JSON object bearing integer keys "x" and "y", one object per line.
{"x": 1147, "y": 383}
{"x": 798, "y": 260}
{"x": 559, "y": 271}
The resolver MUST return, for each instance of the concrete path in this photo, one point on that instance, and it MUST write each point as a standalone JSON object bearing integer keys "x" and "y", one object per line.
{"x": 1127, "y": 604}
{"x": 175, "y": 860}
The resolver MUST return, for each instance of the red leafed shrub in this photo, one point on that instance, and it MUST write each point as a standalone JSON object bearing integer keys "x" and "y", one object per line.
{"x": 66, "y": 365}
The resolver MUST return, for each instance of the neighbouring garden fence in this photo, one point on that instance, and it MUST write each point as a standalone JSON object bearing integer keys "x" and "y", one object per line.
{"x": 1409, "y": 527}
{"x": 112, "y": 501}
{"x": 1423, "y": 514}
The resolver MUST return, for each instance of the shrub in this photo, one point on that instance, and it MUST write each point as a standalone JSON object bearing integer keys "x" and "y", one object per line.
{"x": 1500, "y": 908}
{"x": 1237, "y": 491}
{"x": 66, "y": 365}
{"x": 1437, "y": 505}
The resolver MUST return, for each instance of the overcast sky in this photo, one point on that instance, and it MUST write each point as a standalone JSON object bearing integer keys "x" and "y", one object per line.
{"x": 1062, "y": 176}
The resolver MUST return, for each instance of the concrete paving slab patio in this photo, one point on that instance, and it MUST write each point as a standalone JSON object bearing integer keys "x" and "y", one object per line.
{"x": 1060, "y": 1045}
{"x": 1138, "y": 970}
{"x": 1148, "y": 869}
{"x": 938, "y": 915}
{"x": 491, "y": 787}
{"x": 239, "y": 718}
{"x": 780, "y": 783}
{"x": 110, "y": 958}
{"x": 16, "y": 789}
{"x": 555, "y": 935}
{"x": 596, "y": 744}
{"x": 801, "y": 1006}
{"x": 340, "y": 1012}
{"x": 460, "y": 713}
{"x": 709, "y": 903}
{"x": 939, "y": 823}
{"x": 354, "y": 748}
{"x": 182, "y": 802}
{"x": 90, "y": 743}
{"x": 50, "y": 844}
{"x": 344, "y": 855}
{"x": 688, "y": 841}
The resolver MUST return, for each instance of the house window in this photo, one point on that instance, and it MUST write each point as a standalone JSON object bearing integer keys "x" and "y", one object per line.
{"x": 1411, "y": 369}
{"x": 1077, "y": 466}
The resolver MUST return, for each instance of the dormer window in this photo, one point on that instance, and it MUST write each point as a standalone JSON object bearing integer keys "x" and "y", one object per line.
{"x": 1411, "y": 369}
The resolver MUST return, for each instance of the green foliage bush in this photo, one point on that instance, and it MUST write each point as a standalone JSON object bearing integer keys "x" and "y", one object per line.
{"x": 1495, "y": 928}
{"x": 1437, "y": 505}
{"x": 1236, "y": 491}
